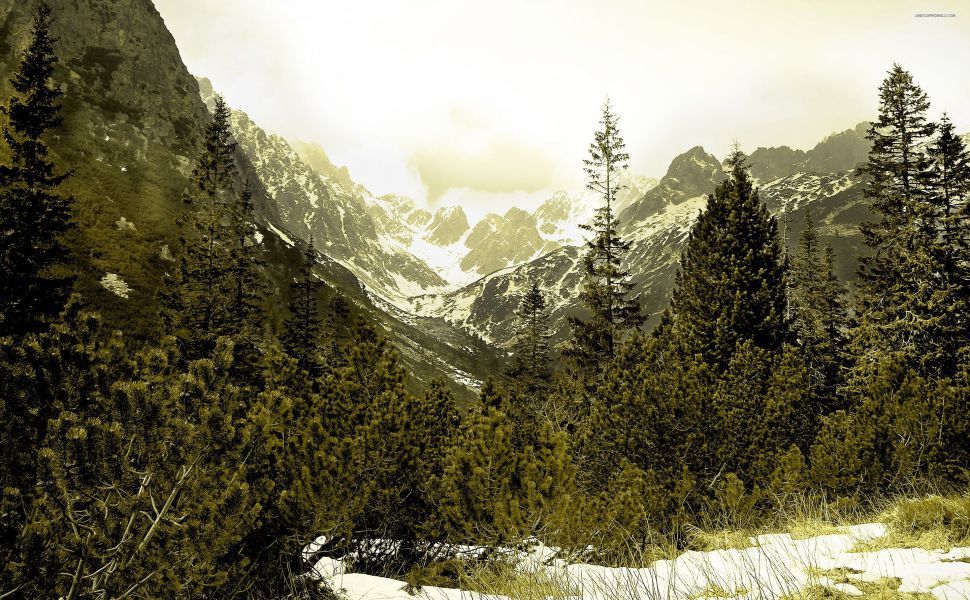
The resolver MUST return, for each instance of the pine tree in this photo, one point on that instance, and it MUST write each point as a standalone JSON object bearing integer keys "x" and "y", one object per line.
{"x": 338, "y": 330}
{"x": 530, "y": 360}
{"x": 34, "y": 278}
{"x": 495, "y": 492}
{"x": 731, "y": 284}
{"x": 950, "y": 185}
{"x": 199, "y": 298}
{"x": 607, "y": 285}
{"x": 819, "y": 315}
{"x": 304, "y": 327}
{"x": 903, "y": 301}
{"x": 250, "y": 287}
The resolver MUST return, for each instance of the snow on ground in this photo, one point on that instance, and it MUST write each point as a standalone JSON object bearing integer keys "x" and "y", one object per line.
{"x": 116, "y": 285}
{"x": 775, "y": 566}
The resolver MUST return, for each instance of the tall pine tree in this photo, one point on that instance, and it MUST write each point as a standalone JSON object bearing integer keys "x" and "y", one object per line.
{"x": 731, "y": 284}
{"x": 607, "y": 286}
{"x": 950, "y": 181}
{"x": 200, "y": 297}
{"x": 904, "y": 297}
{"x": 34, "y": 279}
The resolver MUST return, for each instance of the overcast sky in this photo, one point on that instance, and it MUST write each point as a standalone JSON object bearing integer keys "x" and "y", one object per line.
{"x": 495, "y": 102}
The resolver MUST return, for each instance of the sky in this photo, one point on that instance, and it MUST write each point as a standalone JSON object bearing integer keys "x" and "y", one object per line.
{"x": 493, "y": 104}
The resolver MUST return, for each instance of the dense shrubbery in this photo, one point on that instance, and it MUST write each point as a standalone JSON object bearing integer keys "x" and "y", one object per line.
{"x": 203, "y": 462}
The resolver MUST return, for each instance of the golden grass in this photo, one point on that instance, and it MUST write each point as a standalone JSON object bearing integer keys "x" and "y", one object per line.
{"x": 931, "y": 523}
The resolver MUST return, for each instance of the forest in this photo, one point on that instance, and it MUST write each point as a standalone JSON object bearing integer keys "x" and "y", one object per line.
{"x": 221, "y": 457}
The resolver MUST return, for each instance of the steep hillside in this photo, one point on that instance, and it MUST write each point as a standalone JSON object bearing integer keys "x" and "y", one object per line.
{"x": 133, "y": 123}
{"x": 328, "y": 210}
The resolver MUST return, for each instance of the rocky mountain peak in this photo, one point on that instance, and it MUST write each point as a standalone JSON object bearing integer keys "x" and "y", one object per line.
{"x": 841, "y": 151}
{"x": 691, "y": 174}
{"x": 447, "y": 226}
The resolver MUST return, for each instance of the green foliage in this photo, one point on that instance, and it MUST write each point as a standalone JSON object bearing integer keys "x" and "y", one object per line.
{"x": 530, "y": 366}
{"x": 34, "y": 214}
{"x": 303, "y": 330}
{"x": 731, "y": 284}
{"x": 218, "y": 289}
{"x": 819, "y": 314}
{"x": 498, "y": 486}
{"x": 909, "y": 302}
{"x": 606, "y": 284}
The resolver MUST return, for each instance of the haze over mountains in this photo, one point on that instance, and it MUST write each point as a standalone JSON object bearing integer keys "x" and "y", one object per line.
{"x": 439, "y": 265}
{"x": 444, "y": 286}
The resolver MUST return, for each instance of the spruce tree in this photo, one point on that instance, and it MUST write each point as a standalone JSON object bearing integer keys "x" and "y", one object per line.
{"x": 34, "y": 278}
{"x": 337, "y": 330}
{"x": 950, "y": 185}
{"x": 199, "y": 298}
{"x": 303, "y": 329}
{"x": 904, "y": 299}
{"x": 249, "y": 284}
{"x": 819, "y": 315}
{"x": 530, "y": 360}
{"x": 731, "y": 284}
{"x": 607, "y": 285}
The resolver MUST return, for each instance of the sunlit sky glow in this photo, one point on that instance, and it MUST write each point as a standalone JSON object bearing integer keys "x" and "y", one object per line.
{"x": 493, "y": 104}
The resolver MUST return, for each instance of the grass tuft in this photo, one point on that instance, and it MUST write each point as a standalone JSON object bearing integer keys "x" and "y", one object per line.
{"x": 931, "y": 523}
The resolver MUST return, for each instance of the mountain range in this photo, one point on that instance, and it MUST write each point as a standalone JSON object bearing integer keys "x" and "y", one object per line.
{"x": 444, "y": 287}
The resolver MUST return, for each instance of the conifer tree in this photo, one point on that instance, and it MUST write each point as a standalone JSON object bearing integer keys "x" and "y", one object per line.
{"x": 338, "y": 330}
{"x": 819, "y": 315}
{"x": 34, "y": 278}
{"x": 607, "y": 285}
{"x": 198, "y": 299}
{"x": 731, "y": 284}
{"x": 950, "y": 185}
{"x": 248, "y": 280}
{"x": 496, "y": 492}
{"x": 904, "y": 299}
{"x": 530, "y": 360}
{"x": 304, "y": 327}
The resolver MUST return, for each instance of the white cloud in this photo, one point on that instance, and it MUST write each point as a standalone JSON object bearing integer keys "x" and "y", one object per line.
{"x": 380, "y": 82}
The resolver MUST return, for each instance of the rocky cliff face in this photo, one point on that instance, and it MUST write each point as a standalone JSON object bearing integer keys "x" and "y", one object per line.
{"x": 498, "y": 242}
{"x": 838, "y": 152}
{"x": 447, "y": 226}
{"x": 690, "y": 175}
{"x": 330, "y": 210}
{"x": 133, "y": 121}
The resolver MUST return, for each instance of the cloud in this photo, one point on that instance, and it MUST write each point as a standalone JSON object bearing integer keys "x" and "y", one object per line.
{"x": 494, "y": 165}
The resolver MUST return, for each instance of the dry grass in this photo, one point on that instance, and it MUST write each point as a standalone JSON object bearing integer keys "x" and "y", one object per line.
{"x": 503, "y": 579}
{"x": 931, "y": 523}
{"x": 886, "y": 588}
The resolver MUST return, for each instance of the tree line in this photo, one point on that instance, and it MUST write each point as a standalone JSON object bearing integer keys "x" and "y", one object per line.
{"x": 222, "y": 460}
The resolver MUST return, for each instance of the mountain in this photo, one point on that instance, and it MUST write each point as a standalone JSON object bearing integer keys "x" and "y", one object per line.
{"x": 331, "y": 211}
{"x": 658, "y": 223}
{"x": 689, "y": 175}
{"x": 134, "y": 118}
{"x": 841, "y": 151}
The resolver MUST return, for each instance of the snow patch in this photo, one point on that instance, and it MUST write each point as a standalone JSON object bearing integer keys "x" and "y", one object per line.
{"x": 116, "y": 285}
